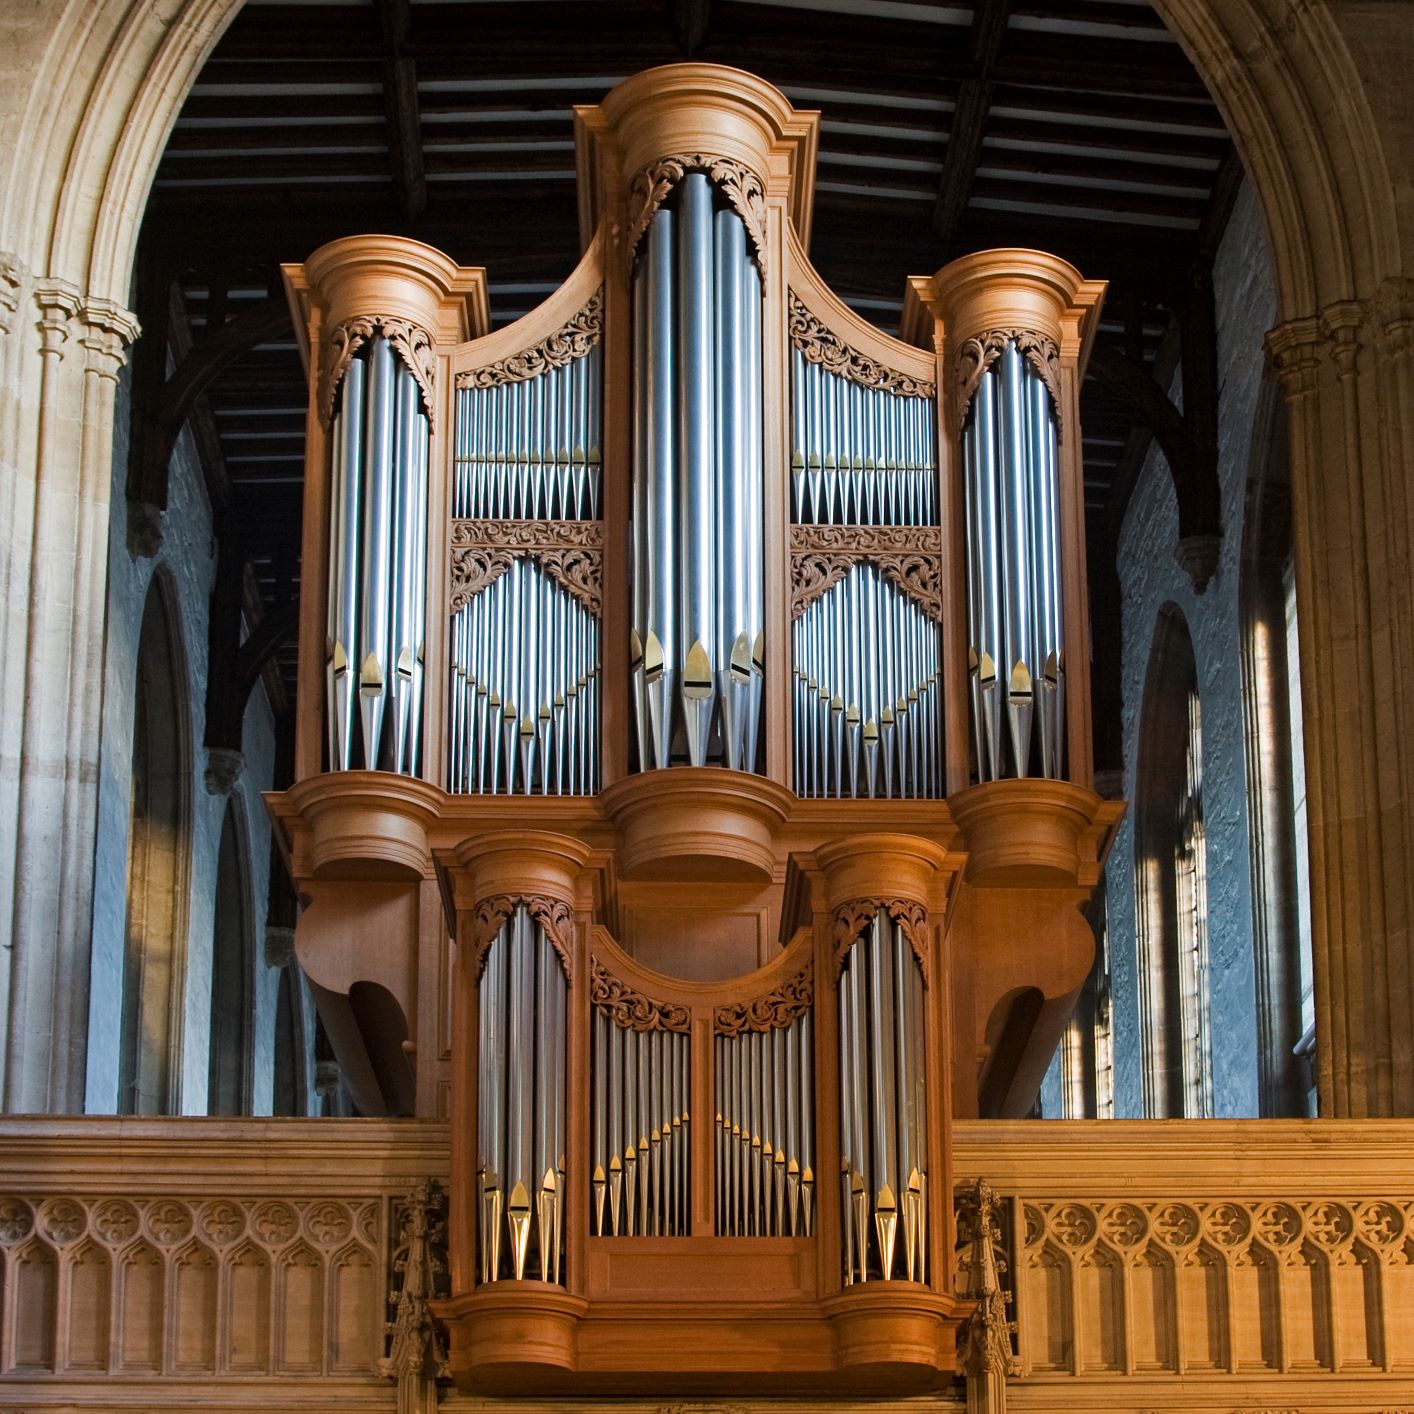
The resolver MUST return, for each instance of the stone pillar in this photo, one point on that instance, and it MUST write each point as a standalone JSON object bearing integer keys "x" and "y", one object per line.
{"x": 1349, "y": 383}
{"x": 63, "y": 353}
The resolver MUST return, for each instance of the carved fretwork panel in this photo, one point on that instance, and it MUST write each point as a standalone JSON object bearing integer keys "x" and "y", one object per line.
{"x": 910, "y": 557}
{"x": 630, "y": 1009}
{"x": 571, "y": 552}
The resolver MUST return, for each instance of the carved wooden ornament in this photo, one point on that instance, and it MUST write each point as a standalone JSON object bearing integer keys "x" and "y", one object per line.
{"x": 411, "y": 343}
{"x": 735, "y": 180}
{"x": 980, "y": 352}
{"x": 910, "y": 557}
{"x": 820, "y": 344}
{"x": 629, "y": 1009}
{"x": 855, "y": 915}
{"x": 571, "y": 552}
{"x": 776, "y": 1010}
{"x": 571, "y": 341}
{"x": 554, "y": 915}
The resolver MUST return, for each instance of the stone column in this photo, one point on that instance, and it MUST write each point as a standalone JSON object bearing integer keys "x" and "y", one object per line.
{"x": 1349, "y": 385}
{"x": 63, "y": 353}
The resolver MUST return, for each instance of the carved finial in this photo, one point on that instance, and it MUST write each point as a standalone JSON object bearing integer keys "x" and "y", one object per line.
{"x": 985, "y": 1346}
{"x": 417, "y": 1352}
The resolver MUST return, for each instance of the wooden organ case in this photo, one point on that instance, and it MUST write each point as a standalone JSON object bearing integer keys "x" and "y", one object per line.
{"x": 716, "y": 666}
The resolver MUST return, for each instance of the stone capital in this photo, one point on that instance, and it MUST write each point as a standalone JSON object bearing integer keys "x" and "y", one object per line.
{"x": 109, "y": 332}
{"x": 59, "y": 305}
{"x": 223, "y": 769}
{"x": 13, "y": 276}
{"x": 279, "y": 946}
{"x": 1393, "y": 311}
{"x": 1295, "y": 349}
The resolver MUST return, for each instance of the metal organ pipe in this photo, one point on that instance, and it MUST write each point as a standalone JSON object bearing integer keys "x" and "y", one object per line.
{"x": 377, "y": 564}
{"x": 524, "y": 672}
{"x": 522, "y": 1011}
{"x": 1011, "y": 478}
{"x": 697, "y": 648}
{"x": 883, "y": 1117}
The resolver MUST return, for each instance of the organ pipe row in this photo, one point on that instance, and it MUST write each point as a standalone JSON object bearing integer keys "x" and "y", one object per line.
{"x": 883, "y": 1108}
{"x": 524, "y": 692}
{"x": 641, "y": 1158}
{"x": 868, "y": 693}
{"x": 697, "y": 647}
{"x": 529, "y": 450}
{"x": 1010, "y": 476}
{"x": 521, "y": 1104}
{"x": 765, "y": 1123}
{"x": 859, "y": 456}
{"x": 377, "y": 565}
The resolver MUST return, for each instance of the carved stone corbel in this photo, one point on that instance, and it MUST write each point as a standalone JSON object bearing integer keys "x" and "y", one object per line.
{"x": 772, "y": 1012}
{"x": 743, "y": 189}
{"x": 554, "y": 915}
{"x": 411, "y": 343}
{"x": 630, "y": 1009}
{"x": 980, "y": 352}
{"x": 854, "y": 915}
{"x": 567, "y": 344}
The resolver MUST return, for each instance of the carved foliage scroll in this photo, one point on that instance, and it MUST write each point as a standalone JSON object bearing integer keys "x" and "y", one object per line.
{"x": 855, "y": 915}
{"x": 910, "y": 557}
{"x": 570, "y": 342}
{"x": 820, "y": 344}
{"x": 777, "y": 1009}
{"x": 554, "y": 915}
{"x": 411, "y": 343}
{"x": 629, "y": 1009}
{"x": 571, "y": 552}
{"x": 736, "y": 181}
{"x": 980, "y": 352}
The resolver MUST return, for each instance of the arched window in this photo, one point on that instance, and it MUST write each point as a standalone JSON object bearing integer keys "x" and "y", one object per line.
{"x": 1171, "y": 887}
{"x": 1276, "y": 776}
{"x": 232, "y": 975}
{"x": 291, "y": 1080}
{"x": 159, "y": 842}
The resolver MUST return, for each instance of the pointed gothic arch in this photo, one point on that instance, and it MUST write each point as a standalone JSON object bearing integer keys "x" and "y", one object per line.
{"x": 231, "y": 1063}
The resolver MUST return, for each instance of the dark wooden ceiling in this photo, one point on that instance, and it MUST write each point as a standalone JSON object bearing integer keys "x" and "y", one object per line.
{"x": 1078, "y": 126}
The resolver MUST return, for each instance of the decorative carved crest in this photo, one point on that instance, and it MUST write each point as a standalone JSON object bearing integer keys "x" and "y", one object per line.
{"x": 735, "y": 180}
{"x": 629, "y": 1009}
{"x": 570, "y": 342}
{"x": 417, "y": 1353}
{"x": 412, "y": 344}
{"x": 820, "y": 344}
{"x": 777, "y": 1009}
{"x": 554, "y": 915}
{"x": 854, "y": 916}
{"x": 979, "y": 353}
{"x": 571, "y": 552}
{"x": 910, "y": 557}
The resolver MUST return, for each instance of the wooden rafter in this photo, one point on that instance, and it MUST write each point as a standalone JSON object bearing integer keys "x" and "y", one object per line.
{"x": 400, "y": 102}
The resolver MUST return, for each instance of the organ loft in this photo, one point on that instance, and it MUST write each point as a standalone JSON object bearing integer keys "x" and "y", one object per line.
{"x": 714, "y": 669}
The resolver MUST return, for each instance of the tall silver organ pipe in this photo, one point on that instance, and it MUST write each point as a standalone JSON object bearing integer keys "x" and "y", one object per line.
{"x": 377, "y": 565}
{"x": 640, "y": 1103}
{"x": 521, "y": 1105}
{"x": 764, "y": 1141}
{"x": 883, "y": 1111}
{"x": 1010, "y": 476}
{"x": 859, "y": 456}
{"x": 524, "y": 689}
{"x": 696, "y": 647}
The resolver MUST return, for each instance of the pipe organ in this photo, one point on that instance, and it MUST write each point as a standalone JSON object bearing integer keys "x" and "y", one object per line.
{"x": 697, "y": 659}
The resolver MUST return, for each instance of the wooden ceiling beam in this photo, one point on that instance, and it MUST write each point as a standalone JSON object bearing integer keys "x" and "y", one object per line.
{"x": 969, "y": 118}
{"x": 689, "y": 21}
{"x": 400, "y": 99}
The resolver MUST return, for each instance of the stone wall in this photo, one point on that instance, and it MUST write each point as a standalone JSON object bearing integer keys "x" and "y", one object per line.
{"x": 187, "y": 558}
{"x": 1150, "y": 579}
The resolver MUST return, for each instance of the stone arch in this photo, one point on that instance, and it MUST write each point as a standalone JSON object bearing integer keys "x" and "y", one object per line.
{"x": 159, "y": 863}
{"x": 231, "y": 1058}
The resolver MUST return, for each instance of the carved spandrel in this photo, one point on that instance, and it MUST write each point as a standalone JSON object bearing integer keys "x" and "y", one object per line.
{"x": 735, "y": 180}
{"x": 979, "y": 353}
{"x": 820, "y": 344}
{"x": 771, "y": 1012}
{"x": 568, "y": 343}
{"x": 571, "y": 552}
{"x": 554, "y": 915}
{"x": 630, "y": 1009}
{"x": 411, "y": 343}
{"x": 854, "y": 915}
{"x": 910, "y": 557}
